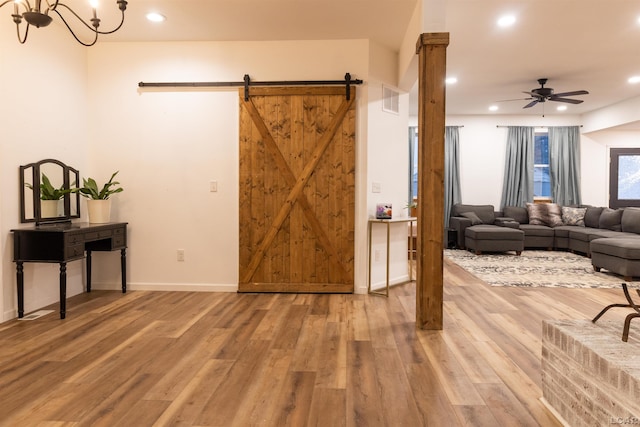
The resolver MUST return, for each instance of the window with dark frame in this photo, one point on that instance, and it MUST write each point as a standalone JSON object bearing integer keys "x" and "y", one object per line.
{"x": 624, "y": 177}
{"x": 541, "y": 175}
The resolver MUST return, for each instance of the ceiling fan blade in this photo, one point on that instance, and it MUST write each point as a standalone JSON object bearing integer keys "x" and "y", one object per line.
{"x": 567, "y": 100}
{"x": 531, "y": 104}
{"x": 574, "y": 93}
{"x": 516, "y": 99}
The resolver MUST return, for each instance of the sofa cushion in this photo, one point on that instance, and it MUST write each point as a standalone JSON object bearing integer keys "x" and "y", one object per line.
{"x": 493, "y": 232}
{"x": 486, "y": 213}
{"x": 518, "y": 213}
{"x": 592, "y": 216}
{"x": 537, "y": 230}
{"x": 475, "y": 220}
{"x": 563, "y": 230}
{"x": 586, "y": 234}
{"x": 548, "y": 214}
{"x": 610, "y": 219}
{"x": 630, "y": 221}
{"x": 620, "y": 247}
{"x": 573, "y": 216}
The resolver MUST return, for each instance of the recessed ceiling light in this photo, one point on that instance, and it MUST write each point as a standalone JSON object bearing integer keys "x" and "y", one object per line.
{"x": 561, "y": 107}
{"x": 506, "y": 21}
{"x": 493, "y": 108}
{"x": 634, "y": 79}
{"x": 156, "y": 17}
{"x": 451, "y": 80}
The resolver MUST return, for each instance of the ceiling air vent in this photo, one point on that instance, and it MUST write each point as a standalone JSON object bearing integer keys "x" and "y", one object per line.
{"x": 390, "y": 100}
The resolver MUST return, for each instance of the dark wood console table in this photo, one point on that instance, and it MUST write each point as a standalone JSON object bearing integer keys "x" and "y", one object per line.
{"x": 61, "y": 243}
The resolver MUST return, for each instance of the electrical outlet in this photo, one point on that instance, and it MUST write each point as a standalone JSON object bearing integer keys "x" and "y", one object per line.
{"x": 213, "y": 186}
{"x": 180, "y": 254}
{"x": 377, "y": 255}
{"x": 376, "y": 187}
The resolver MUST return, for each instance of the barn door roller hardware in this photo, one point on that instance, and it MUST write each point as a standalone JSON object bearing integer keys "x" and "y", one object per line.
{"x": 247, "y": 82}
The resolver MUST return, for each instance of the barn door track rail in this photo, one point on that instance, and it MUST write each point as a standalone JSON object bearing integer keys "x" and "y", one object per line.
{"x": 246, "y": 83}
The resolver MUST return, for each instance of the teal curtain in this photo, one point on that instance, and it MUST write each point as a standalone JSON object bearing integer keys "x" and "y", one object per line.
{"x": 451, "y": 170}
{"x": 517, "y": 186}
{"x": 564, "y": 165}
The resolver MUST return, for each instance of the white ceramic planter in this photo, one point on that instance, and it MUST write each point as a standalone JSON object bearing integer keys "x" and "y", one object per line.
{"x": 50, "y": 208}
{"x": 99, "y": 211}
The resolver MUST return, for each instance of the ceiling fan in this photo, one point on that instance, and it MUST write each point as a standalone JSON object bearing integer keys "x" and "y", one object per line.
{"x": 543, "y": 94}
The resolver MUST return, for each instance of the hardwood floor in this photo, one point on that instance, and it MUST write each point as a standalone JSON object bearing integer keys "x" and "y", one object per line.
{"x": 226, "y": 359}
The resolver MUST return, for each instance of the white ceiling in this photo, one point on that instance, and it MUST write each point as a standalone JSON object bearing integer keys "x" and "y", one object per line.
{"x": 576, "y": 44}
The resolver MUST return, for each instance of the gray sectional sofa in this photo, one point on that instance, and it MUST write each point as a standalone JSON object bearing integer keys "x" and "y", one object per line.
{"x": 549, "y": 226}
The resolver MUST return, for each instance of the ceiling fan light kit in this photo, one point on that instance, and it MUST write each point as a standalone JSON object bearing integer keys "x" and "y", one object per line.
{"x": 38, "y": 15}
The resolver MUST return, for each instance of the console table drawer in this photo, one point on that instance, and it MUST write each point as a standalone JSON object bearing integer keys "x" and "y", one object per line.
{"x": 72, "y": 239}
{"x": 119, "y": 241}
{"x": 97, "y": 235}
{"x": 74, "y": 250}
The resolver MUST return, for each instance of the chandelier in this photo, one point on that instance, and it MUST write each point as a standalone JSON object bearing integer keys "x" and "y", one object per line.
{"x": 39, "y": 13}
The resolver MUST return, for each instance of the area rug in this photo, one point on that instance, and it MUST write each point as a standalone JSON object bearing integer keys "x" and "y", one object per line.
{"x": 535, "y": 269}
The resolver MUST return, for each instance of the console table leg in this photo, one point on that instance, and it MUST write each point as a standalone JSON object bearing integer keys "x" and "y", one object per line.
{"x": 63, "y": 290}
{"x": 123, "y": 269}
{"x": 88, "y": 270}
{"x": 20, "y": 282}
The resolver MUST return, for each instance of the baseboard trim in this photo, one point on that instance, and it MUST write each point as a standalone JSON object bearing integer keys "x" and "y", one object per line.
{"x": 378, "y": 286}
{"x": 10, "y": 315}
{"x": 168, "y": 287}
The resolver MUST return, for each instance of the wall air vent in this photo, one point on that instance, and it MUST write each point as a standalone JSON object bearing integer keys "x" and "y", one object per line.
{"x": 390, "y": 100}
{"x": 36, "y": 315}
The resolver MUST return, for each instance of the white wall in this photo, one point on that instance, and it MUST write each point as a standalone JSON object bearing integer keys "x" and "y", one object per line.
{"x": 169, "y": 144}
{"x": 482, "y": 154}
{"x": 42, "y": 115}
{"x": 387, "y": 166}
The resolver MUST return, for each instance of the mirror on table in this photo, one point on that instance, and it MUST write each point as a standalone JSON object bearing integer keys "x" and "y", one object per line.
{"x": 48, "y": 192}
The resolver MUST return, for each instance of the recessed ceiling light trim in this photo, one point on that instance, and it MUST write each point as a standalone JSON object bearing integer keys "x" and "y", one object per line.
{"x": 156, "y": 17}
{"x": 634, "y": 79}
{"x": 451, "y": 80}
{"x": 506, "y": 21}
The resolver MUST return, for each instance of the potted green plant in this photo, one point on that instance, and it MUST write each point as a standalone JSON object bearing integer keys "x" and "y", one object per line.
{"x": 50, "y": 197}
{"x": 412, "y": 207}
{"x": 99, "y": 203}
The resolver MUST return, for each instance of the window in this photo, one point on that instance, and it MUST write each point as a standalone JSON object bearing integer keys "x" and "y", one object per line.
{"x": 413, "y": 163}
{"x": 624, "y": 177}
{"x": 541, "y": 176}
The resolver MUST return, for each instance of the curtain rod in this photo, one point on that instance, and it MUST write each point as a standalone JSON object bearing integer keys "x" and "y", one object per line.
{"x": 545, "y": 126}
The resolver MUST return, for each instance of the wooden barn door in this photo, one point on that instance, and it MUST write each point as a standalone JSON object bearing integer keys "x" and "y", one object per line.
{"x": 297, "y": 196}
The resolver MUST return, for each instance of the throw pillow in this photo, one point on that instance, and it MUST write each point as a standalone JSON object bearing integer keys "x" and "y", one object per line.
{"x": 592, "y": 217}
{"x": 630, "y": 222}
{"x": 518, "y": 213}
{"x": 475, "y": 219}
{"x": 610, "y": 219}
{"x": 548, "y": 214}
{"x": 573, "y": 216}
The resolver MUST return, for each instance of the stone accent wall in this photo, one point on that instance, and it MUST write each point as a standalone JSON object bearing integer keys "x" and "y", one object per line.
{"x": 590, "y": 377}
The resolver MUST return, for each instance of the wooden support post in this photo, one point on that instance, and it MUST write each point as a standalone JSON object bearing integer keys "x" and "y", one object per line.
{"x": 432, "y": 49}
